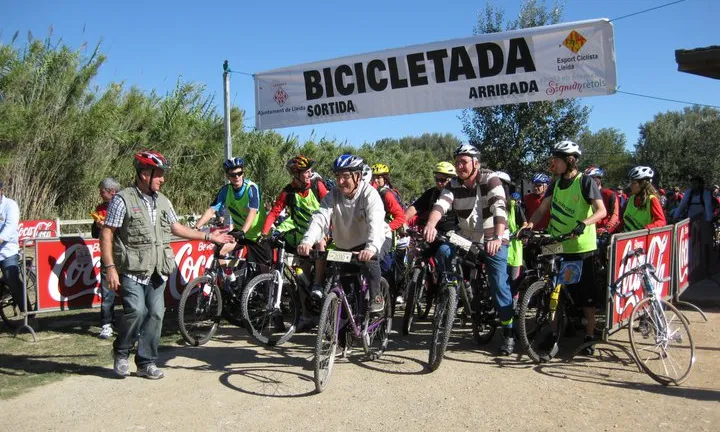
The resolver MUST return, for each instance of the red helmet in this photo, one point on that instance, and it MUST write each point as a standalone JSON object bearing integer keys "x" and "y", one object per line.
{"x": 151, "y": 159}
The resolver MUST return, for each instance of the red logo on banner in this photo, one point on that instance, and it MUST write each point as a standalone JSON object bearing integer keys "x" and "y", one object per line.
{"x": 36, "y": 229}
{"x": 683, "y": 243}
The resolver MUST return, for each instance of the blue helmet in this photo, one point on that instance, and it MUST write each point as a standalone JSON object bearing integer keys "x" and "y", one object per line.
{"x": 515, "y": 196}
{"x": 594, "y": 171}
{"x": 234, "y": 163}
{"x": 348, "y": 162}
{"x": 541, "y": 178}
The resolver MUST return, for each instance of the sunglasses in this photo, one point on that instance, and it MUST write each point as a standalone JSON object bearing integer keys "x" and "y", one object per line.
{"x": 235, "y": 174}
{"x": 441, "y": 179}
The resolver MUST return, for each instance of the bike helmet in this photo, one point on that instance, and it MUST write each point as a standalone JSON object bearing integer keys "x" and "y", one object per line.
{"x": 299, "y": 164}
{"x": 367, "y": 174}
{"x": 151, "y": 159}
{"x": 348, "y": 162}
{"x": 503, "y": 176}
{"x": 445, "y": 168}
{"x": 594, "y": 172}
{"x": 379, "y": 169}
{"x": 566, "y": 148}
{"x": 467, "y": 150}
{"x": 515, "y": 196}
{"x": 541, "y": 178}
{"x": 641, "y": 173}
{"x": 233, "y": 163}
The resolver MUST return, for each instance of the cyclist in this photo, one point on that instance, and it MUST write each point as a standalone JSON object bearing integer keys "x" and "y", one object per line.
{"x": 355, "y": 211}
{"x": 421, "y": 208}
{"x": 242, "y": 199}
{"x": 532, "y": 200}
{"x": 611, "y": 222}
{"x": 575, "y": 204}
{"x": 516, "y": 219}
{"x": 301, "y": 197}
{"x": 394, "y": 216}
{"x": 9, "y": 247}
{"x": 643, "y": 209}
{"x": 478, "y": 198}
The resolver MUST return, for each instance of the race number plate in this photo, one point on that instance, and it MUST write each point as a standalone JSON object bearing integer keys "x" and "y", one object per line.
{"x": 551, "y": 249}
{"x": 460, "y": 242}
{"x": 339, "y": 256}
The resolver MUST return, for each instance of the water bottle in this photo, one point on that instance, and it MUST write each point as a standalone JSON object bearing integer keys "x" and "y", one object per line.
{"x": 302, "y": 277}
{"x": 230, "y": 277}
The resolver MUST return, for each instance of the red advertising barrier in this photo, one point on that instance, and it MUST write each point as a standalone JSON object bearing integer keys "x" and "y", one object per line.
{"x": 682, "y": 257}
{"x": 68, "y": 271}
{"x": 36, "y": 229}
{"x": 657, "y": 244}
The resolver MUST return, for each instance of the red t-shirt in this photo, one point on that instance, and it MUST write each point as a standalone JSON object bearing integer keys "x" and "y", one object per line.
{"x": 532, "y": 203}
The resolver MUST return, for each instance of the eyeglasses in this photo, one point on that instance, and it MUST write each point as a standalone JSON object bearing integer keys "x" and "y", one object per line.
{"x": 441, "y": 179}
{"x": 343, "y": 176}
{"x": 235, "y": 174}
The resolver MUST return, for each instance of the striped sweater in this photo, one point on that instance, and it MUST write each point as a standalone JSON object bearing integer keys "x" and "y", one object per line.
{"x": 478, "y": 208}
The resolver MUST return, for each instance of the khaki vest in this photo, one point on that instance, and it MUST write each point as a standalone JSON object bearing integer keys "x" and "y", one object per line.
{"x": 138, "y": 247}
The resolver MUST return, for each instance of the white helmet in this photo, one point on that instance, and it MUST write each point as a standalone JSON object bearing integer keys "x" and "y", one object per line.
{"x": 641, "y": 173}
{"x": 567, "y": 148}
{"x": 367, "y": 174}
{"x": 503, "y": 176}
{"x": 466, "y": 149}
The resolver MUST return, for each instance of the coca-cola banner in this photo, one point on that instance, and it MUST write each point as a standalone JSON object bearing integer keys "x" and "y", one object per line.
{"x": 682, "y": 256}
{"x": 36, "y": 229}
{"x": 68, "y": 271}
{"x": 657, "y": 244}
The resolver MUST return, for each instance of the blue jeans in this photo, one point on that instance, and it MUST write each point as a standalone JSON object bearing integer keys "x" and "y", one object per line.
{"x": 496, "y": 269}
{"x": 143, "y": 310}
{"x": 11, "y": 274}
{"x": 107, "y": 306}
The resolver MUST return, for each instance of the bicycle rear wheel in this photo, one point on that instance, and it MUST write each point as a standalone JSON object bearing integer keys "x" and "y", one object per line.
{"x": 661, "y": 341}
{"x": 380, "y": 334}
{"x": 10, "y": 312}
{"x": 327, "y": 341}
{"x": 414, "y": 292}
{"x": 199, "y": 310}
{"x": 445, "y": 309}
{"x": 267, "y": 324}
{"x": 535, "y": 327}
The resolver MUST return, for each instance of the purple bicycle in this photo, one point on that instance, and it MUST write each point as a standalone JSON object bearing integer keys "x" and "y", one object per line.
{"x": 344, "y": 319}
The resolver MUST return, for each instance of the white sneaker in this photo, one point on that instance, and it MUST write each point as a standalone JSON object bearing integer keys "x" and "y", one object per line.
{"x": 106, "y": 332}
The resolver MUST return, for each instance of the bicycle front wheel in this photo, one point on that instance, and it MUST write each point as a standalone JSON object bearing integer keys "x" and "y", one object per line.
{"x": 538, "y": 332}
{"x": 199, "y": 310}
{"x": 327, "y": 341}
{"x": 270, "y": 323}
{"x": 414, "y": 291}
{"x": 661, "y": 341}
{"x": 445, "y": 309}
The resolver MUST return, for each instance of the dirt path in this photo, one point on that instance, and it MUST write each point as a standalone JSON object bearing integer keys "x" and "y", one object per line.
{"x": 231, "y": 384}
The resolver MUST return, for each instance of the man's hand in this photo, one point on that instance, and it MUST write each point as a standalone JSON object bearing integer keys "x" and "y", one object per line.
{"x": 112, "y": 278}
{"x": 221, "y": 237}
{"x": 429, "y": 233}
{"x": 304, "y": 249}
{"x": 365, "y": 255}
{"x": 492, "y": 246}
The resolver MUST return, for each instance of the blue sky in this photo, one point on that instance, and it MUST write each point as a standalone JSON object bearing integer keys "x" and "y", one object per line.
{"x": 150, "y": 44}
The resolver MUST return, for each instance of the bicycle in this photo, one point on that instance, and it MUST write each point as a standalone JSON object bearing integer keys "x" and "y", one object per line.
{"x": 420, "y": 282}
{"x": 545, "y": 305}
{"x": 271, "y": 301}
{"x": 345, "y": 318}
{"x": 212, "y": 296}
{"x": 10, "y": 312}
{"x": 659, "y": 334}
{"x": 474, "y": 293}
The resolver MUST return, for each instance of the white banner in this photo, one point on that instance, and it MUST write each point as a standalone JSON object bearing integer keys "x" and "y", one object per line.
{"x": 535, "y": 64}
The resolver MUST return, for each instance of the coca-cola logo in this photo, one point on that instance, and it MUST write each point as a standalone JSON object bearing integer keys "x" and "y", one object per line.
{"x": 629, "y": 288}
{"x": 76, "y": 268}
{"x": 36, "y": 229}
{"x": 189, "y": 265}
{"x": 658, "y": 250}
{"x": 683, "y": 255}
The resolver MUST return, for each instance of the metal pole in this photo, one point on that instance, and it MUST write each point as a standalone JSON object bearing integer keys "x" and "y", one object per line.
{"x": 226, "y": 88}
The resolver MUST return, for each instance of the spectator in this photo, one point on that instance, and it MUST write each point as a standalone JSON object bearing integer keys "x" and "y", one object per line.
{"x": 9, "y": 259}
{"x": 107, "y": 188}
{"x": 533, "y": 199}
{"x": 696, "y": 204}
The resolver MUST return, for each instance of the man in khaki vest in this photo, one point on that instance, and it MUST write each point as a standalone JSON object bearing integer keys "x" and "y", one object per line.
{"x": 137, "y": 258}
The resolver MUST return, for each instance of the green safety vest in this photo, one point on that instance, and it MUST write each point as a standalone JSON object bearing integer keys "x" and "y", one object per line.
{"x": 239, "y": 210}
{"x": 569, "y": 207}
{"x": 139, "y": 247}
{"x": 515, "y": 251}
{"x": 300, "y": 210}
{"x": 637, "y": 218}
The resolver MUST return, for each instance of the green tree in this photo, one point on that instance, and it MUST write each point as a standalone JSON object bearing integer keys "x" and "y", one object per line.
{"x": 517, "y": 138}
{"x": 680, "y": 144}
{"x": 606, "y": 149}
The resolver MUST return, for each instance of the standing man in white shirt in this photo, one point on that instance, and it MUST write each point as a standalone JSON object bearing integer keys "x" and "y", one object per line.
{"x": 9, "y": 260}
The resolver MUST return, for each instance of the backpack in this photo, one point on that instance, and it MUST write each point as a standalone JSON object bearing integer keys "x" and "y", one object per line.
{"x": 395, "y": 192}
